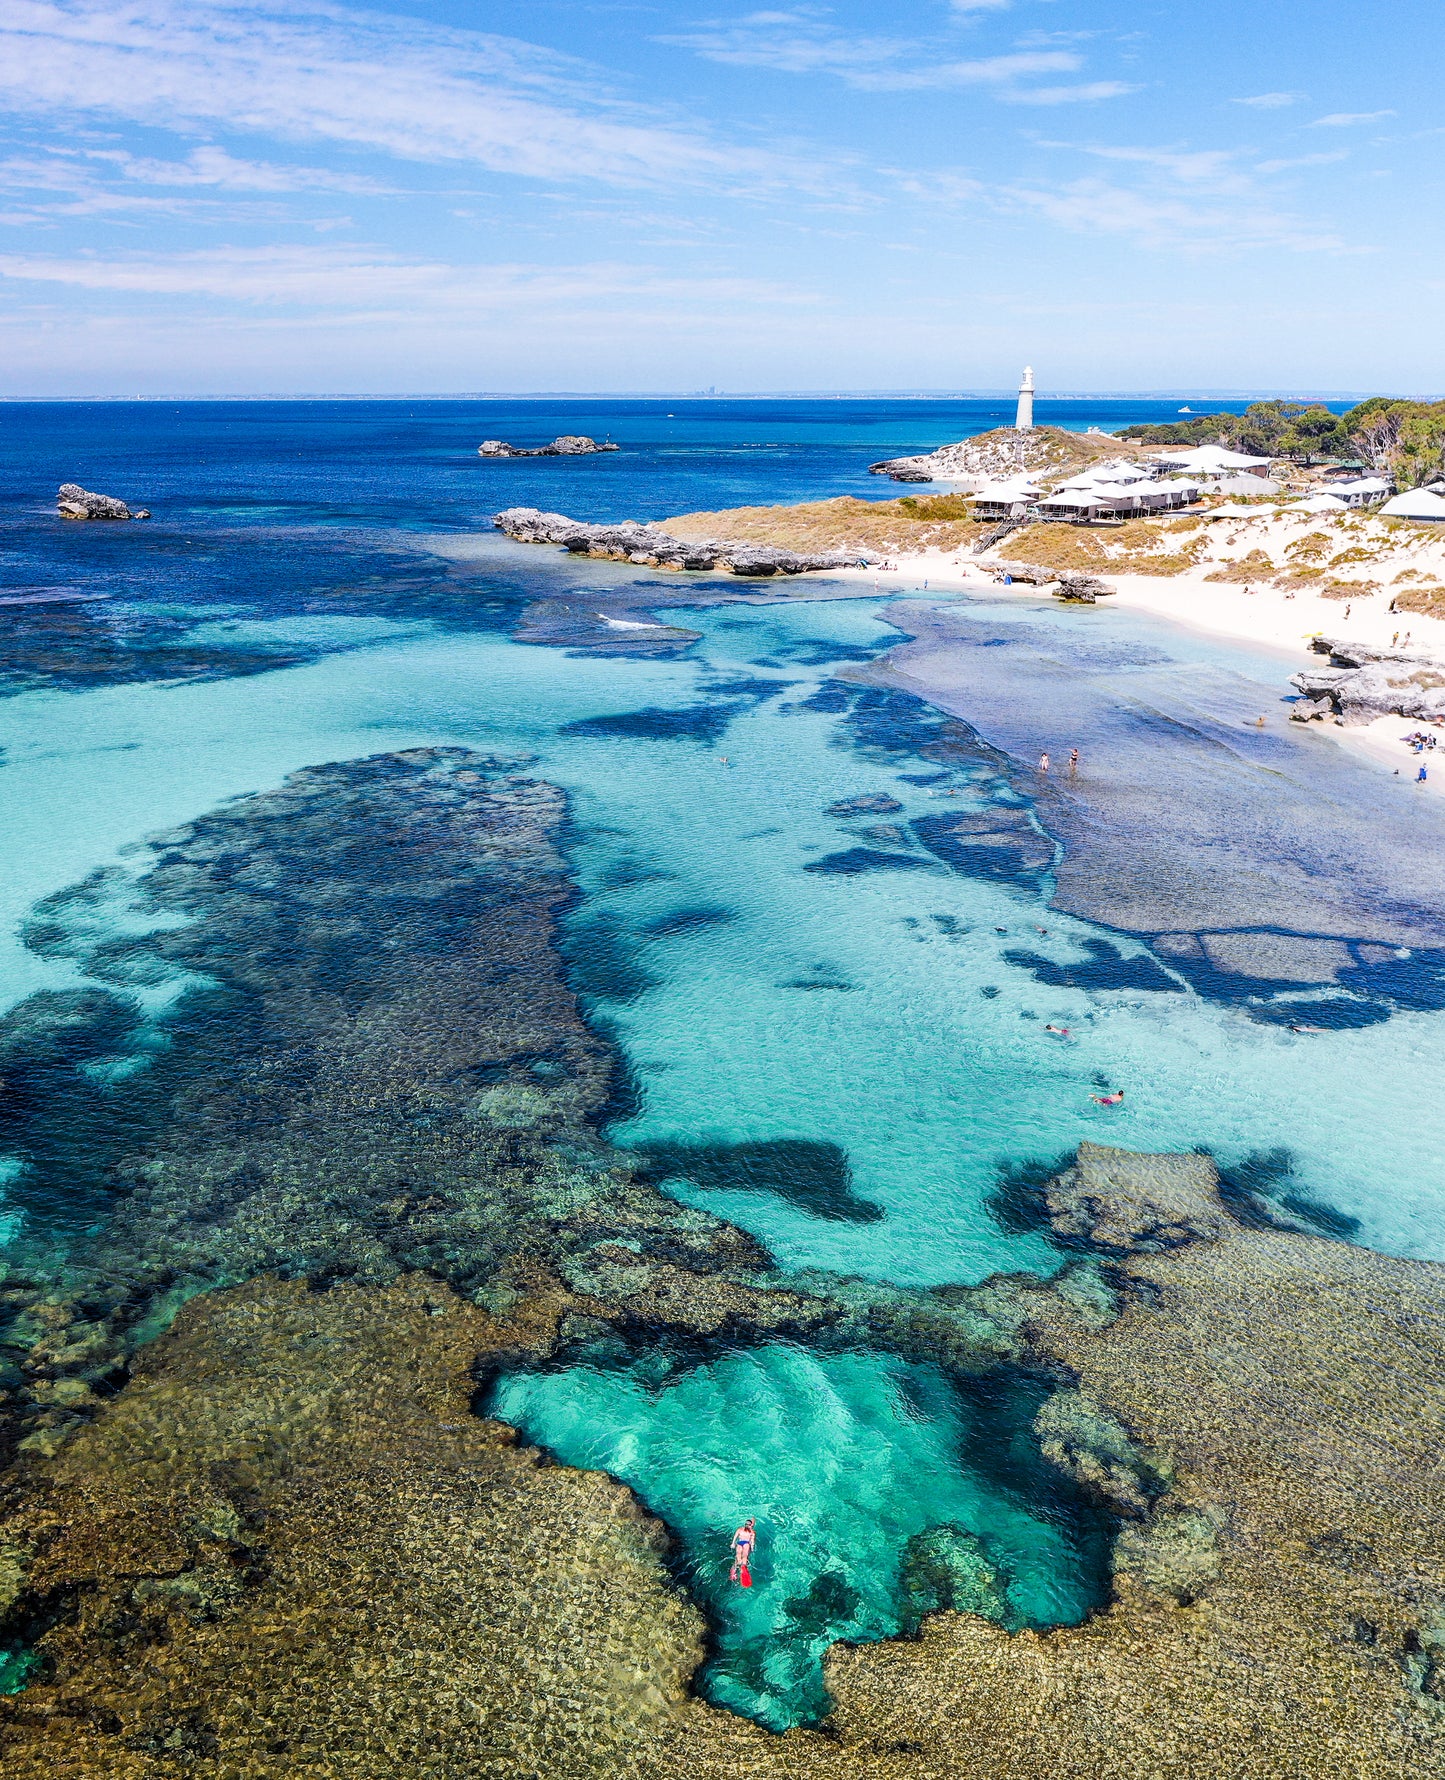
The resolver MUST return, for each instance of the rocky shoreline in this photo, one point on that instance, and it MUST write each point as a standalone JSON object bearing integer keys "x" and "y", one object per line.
{"x": 649, "y": 546}
{"x": 1363, "y": 683}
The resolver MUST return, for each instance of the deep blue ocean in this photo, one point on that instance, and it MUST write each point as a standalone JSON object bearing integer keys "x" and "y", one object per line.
{"x": 320, "y": 581}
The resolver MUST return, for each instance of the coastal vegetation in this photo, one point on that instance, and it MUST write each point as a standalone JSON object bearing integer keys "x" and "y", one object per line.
{"x": 1404, "y": 439}
{"x": 917, "y": 522}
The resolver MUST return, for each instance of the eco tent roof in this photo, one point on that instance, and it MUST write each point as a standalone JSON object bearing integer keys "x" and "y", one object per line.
{"x": 1319, "y": 503}
{"x": 1415, "y": 503}
{"x": 1212, "y": 457}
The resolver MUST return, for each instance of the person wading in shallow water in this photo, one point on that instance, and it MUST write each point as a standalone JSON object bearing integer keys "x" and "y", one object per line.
{"x": 1043, "y": 763}
{"x": 743, "y": 1542}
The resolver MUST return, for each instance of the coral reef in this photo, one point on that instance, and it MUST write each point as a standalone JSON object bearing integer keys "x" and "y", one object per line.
{"x": 375, "y": 1065}
{"x": 287, "y": 1548}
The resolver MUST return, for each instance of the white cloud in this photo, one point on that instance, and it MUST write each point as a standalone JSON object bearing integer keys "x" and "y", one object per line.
{"x": 1270, "y": 101}
{"x": 214, "y": 167}
{"x": 1157, "y": 220}
{"x": 348, "y": 283}
{"x": 305, "y": 70}
{"x": 1343, "y": 119}
{"x": 1088, "y": 92}
{"x": 799, "y": 43}
{"x": 1320, "y": 160}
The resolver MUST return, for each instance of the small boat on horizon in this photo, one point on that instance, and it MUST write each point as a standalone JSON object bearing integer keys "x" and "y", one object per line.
{"x": 1186, "y": 410}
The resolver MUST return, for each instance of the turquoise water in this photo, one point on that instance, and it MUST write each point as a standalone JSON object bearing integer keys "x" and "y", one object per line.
{"x": 842, "y": 1460}
{"x": 846, "y": 1062}
{"x": 930, "y": 1068}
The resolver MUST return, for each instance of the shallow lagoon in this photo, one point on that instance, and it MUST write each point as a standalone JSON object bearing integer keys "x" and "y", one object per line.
{"x": 843, "y": 1061}
{"x": 926, "y": 1080}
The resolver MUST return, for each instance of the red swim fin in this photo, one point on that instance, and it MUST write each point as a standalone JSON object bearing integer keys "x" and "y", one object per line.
{"x": 745, "y": 1576}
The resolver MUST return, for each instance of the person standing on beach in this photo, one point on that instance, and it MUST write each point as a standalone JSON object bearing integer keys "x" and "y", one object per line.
{"x": 1043, "y": 763}
{"x": 1423, "y": 774}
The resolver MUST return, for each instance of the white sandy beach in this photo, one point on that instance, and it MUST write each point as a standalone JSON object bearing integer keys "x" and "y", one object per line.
{"x": 1265, "y": 615}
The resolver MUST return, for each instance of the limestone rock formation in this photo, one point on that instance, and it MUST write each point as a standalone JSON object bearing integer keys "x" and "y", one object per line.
{"x": 1004, "y": 452}
{"x": 75, "y": 502}
{"x": 290, "y": 1548}
{"x": 1067, "y": 584}
{"x": 568, "y": 445}
{"x": 648, "y": 545}
{"x": 1363, "y": 682}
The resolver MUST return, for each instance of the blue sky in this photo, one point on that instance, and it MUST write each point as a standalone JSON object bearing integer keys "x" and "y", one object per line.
{"x": 434, "y": 196}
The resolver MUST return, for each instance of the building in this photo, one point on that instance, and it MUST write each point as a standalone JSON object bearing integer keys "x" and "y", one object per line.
{"x": 1025, "y": 419}
{"x": 1212, "y": 460}
{"x": 1417, "y": 503}
{"x": 1363, "y": 492}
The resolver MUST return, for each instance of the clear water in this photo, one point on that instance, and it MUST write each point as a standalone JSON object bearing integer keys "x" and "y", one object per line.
{"x": 841, "y": 1460}
{"x": 319, "y": 584}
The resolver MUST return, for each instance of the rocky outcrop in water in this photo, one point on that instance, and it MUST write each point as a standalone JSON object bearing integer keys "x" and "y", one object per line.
{"x": 652, "y": 547}
{"x": 568, "y": 445}
{"x": 1363, "y": 683}
{"x": 75, "y": 502}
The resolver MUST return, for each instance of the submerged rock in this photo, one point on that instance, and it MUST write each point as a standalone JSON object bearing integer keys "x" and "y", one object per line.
{"x": 946, "y": 1569}
{"x": 75, "y": 502}
{"x": 650, "y": 546}
{"x": 864, "y": 804}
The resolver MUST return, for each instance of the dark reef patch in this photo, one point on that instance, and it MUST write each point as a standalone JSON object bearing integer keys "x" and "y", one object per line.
{"x": 375, "y": 1065}
{"x": 1018, "y": 1202}
{"x": 1259, "y": 1191}
{"x": 998, "y": 843}
{"x": 855, "y": 860}
{"x": 831, "y": 697}
{"x": 1333, "y": 1013}
{"x": 813, "y": 1176}
{"x": 1106, "y": 967}
{"x": 603, "y": 963}
{"x": 692, "y": 723}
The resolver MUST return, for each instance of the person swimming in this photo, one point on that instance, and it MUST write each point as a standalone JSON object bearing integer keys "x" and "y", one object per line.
{"x": 1107, "y": 1099}
{"x": 743, "y": 1542}
{"x": 1059, "y": 1031}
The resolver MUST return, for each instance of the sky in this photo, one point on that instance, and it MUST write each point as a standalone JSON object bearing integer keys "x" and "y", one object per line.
{"x": 226, "y": 196}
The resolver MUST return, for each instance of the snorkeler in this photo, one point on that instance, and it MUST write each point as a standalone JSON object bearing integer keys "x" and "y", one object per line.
{"x": 743, "y": 1542}
{"x": 1107, "y": 1099}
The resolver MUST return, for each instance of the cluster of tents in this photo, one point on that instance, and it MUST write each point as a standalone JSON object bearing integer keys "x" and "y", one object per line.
{"x": 1173, "y": 479}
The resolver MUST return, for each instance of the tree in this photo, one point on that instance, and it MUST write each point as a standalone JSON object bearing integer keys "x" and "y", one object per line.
{"x": 1405, "y": 440}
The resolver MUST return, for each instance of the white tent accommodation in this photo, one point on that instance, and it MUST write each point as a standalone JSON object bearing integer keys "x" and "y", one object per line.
{"x": 1212, "y": 460}
{"x": 1318, "y": 503}
{"x": 1363, "y": 492}
{"x": 1417, "y": 503}
{"x": 999, "y": 499}
{"x": 1077, "y": 503}
{"x": 1247, "y": 485}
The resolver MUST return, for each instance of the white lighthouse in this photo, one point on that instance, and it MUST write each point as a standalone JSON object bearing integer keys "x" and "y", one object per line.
{"x": 1025, "y": 421}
